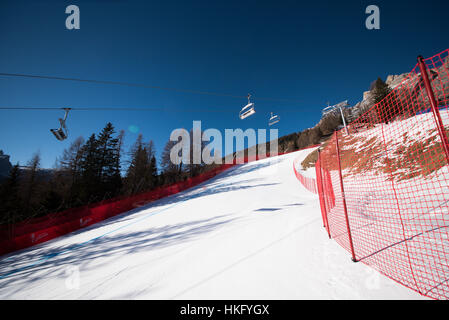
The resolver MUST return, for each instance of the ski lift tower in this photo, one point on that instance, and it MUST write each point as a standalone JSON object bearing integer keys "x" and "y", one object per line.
{"x": 339, "y": 106}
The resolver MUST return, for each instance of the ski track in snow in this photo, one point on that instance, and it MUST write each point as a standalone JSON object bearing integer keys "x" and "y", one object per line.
{"x": 252, "y": 232}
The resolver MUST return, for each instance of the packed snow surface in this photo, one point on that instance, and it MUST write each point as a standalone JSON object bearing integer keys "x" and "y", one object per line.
{"x": 252, "y": 232}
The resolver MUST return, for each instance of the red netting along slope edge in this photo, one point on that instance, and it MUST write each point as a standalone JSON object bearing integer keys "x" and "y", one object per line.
{"x": 389, "y": 202}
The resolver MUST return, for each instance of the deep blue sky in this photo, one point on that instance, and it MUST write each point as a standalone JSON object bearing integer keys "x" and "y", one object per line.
{"x": 310, "y": 52}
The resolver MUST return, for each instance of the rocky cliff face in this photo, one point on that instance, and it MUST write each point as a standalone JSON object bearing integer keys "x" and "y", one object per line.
{"x": 408, "y": 87}
{"x": 394, "y": 80}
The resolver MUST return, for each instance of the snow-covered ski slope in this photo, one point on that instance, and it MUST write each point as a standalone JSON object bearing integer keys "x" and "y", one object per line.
{"x": 252, "y": 232}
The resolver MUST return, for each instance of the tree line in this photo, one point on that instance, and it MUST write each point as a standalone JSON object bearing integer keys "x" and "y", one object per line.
{"x": 89, "y": 172}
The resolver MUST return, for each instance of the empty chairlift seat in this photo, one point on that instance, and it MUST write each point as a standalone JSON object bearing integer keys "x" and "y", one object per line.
{"x": 273, "y": 119}
{"x": 247, "y": 110}
{"x": 61, "y": 133}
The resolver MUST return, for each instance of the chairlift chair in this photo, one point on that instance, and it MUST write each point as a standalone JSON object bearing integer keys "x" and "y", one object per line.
{"x": 334, "y": 109}
{"x": 273, "y": 119}
{"x": 328, "y": 109}
{"x": 61, "y": 133}
{"x": 247, "y": 110}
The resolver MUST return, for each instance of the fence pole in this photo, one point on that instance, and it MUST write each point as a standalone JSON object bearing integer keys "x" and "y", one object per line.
{"x": 318, "y": 180}
{"x": 434, "y": 107}
{"x": 321, "y": 195}
{"x": 344, "y": 199}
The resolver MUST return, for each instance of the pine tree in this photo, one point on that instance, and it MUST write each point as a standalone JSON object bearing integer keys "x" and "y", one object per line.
{"x": 100, "y": 166}
{"x": 106, "y": 147}
{"x": 86, "y": 188}
{"x": 9, "y": 193}
{"x": 388, "y": 103}
{"x": 142, "y": 172}
{"x": 379, "y": 90}
{"x": 151, "y": 167}
{"x": 118, "y": 152}
{"x": 112, "y": 179}
{"x": 69, "y": 170}
{"x": 71, "y": 158}
{"x": 52, "y": 201}
{"x": 172, "y": 172}
{"x": 31, "y": 183}
{"x": 153, "y": 172}
{"x": 132, "y": 179}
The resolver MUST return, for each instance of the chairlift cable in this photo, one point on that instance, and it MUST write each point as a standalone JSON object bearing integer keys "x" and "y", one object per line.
{"x": 112, "y": 109}
{"x": 130, "y": 84}
{"x": 223, "y": 110}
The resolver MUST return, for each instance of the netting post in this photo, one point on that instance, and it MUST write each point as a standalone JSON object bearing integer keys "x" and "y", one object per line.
{"x": 434, "y": 107}
{"x": 344, "y": 199}
{"x": 318, "y": 179}
{"x": 321, "y": 195}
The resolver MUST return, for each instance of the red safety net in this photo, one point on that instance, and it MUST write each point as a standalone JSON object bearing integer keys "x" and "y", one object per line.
{"x": 384, "y": 184}
{"x": 307, "y": 182}
{"x": 29, "y": 233}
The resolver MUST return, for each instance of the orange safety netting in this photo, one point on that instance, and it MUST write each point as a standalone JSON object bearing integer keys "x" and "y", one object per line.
{"x": 384, "y": 184}
{"x": 307, "y": 182}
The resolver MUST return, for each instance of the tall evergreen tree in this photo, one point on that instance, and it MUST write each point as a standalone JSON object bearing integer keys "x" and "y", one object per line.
{"x": 134, "y": 172}
{"x": 9, "y": 193}
{"x": 379, "y": 90}
{"x": 388, "y": 102}
{"x": 172, "y": 171}
{"x": 152, "y": 164}
{"x": 87, "y": 187}
{"x": 111, "y": 163}
{"x": 100, "y": 165}
{"x": 119, "y": 152}
{"x": 153, "y": 172}
{"x": 31, "y": 182}
{"x": 69, "y": 169}
{"x": 141, "y": 174}
{"x": 106, "y": 148}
